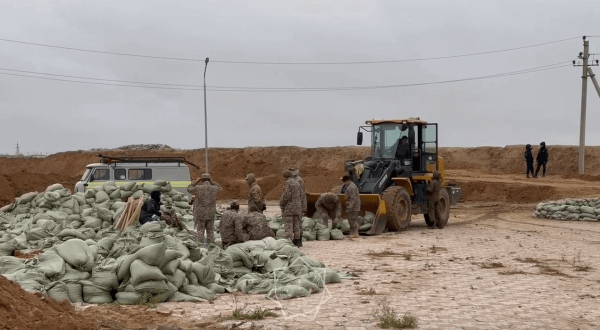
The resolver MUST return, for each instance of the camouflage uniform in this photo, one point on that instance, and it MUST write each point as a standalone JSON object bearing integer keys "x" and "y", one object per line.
{"x": 296, "y": 175}
{"x": 228, "y": 227}
{"x": 256, "y": 225}
{"x": 205, "y": 207}
{"x": 329, "y": 207}
{"x": 255, "y": 196}
{"x": 352, "y": 206}
{"x": 291, "y": 208}
{"x": 171, "y": 219}
{"x": 433, "y": 201}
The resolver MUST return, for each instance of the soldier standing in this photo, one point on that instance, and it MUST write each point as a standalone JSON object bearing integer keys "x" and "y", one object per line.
{"x": 529, "y": 159}
{"x": 329, "y": 207}
{"x": 352, "y": 204}
{"x": 230, "y": 220}
{"x": 291, "y": 208}
{"x": 255, "y": 196}
{"x": 433, "y": 201}
{"x": 542, "y": 159}
{"x": 205, "y": 206}
{"x": 256, "y": 227}
{"x": 296, "y": 175}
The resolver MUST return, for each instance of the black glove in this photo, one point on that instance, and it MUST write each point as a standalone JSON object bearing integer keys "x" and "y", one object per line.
{"x": 264, "y": 207}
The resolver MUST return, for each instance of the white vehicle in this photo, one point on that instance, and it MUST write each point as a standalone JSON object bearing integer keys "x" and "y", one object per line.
{"x": 137, "y": 169}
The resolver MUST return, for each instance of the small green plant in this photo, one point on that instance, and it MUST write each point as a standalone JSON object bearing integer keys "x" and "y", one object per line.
{"x": 255, "y": 315}
{"x": 388, "y": 319}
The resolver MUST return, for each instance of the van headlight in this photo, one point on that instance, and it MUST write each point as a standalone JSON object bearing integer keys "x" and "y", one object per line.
{"x": 407, "y": 162}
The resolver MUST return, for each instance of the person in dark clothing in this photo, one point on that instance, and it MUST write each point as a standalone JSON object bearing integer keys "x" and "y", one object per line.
{"x": 151, "y": 209}
{"x": 403, "y": 149}
{"x": 529, "y": 159}
{"x": 542, "y": 159}
{"x": 433, "y": 199}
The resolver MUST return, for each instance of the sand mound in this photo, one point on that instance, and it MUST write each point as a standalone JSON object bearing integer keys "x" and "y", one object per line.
{"x": 23, "y": 310}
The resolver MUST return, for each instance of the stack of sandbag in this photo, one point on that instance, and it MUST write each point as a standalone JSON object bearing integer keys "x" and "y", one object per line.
{"x": 569, "y": 209}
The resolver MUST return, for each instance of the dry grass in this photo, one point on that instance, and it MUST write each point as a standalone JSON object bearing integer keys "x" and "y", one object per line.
{"x": 407, "y": 255}
{"x": 368, "y": 292}
{"x": 544, "y": 268}
{"x": 387, "y": 252}
{"x": 388, "y": 319}
{"x": 255, "y": 315}
{"x": 488, "y": 265}
{"x": 435, "y": 249}
{"x": 511, "y": 271}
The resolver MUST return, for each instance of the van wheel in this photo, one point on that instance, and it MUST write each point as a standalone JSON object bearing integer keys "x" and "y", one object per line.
{"x": 397, "y": 204}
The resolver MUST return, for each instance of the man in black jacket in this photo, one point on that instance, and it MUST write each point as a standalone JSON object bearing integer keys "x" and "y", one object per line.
{"x": 151, "y": 209}
{"x": 529, "y": 159}
{"x": 542, "y": 159}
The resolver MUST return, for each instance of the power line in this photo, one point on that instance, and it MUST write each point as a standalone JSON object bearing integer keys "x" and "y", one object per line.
{"x": 286, "y": 63}
{"x": 299, "y": 89}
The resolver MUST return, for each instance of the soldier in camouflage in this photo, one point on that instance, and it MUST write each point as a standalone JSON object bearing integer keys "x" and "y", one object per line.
{"x": 255, "y": 196}
{"x": 230, "y": 220}
{"x": 329, "y": 207}
{"x": 170, "y": 218}
{"x": 205, "y": 206}
{"x": 352, "y": 205}
{"x": 291, "y": 208}
{"x": 296, "y": 175}
{"x": 255, "y": 225}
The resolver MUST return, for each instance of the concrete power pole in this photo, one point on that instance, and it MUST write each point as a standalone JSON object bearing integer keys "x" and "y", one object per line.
{"x": 586, "y": 46}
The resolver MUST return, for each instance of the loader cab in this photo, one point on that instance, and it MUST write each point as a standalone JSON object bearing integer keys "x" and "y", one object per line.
{"x": 399, "y": 148}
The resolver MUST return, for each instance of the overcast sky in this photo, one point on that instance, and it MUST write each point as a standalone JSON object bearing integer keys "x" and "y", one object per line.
{"x": 51, "y": 116}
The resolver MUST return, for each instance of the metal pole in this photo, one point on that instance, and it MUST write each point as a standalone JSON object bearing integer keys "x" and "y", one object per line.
{"x": 593, "y": 77}
{"x": 205, "y": 118}
{"x": 586, "y": 46}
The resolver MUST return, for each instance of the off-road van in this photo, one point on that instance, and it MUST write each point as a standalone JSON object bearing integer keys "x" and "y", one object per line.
{"x": 137, "y": 169}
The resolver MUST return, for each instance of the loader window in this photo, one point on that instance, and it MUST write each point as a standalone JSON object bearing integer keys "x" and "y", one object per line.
{"x": 385, "y": 140}
{"x": 430, "y": 139}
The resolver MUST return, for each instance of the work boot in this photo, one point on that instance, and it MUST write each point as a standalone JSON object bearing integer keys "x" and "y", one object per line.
{"x": 299, "y": 242}
{"x": 354, "y": 234}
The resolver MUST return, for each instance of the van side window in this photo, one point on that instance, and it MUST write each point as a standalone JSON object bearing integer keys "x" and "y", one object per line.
{"x": 101, "y": 174}
{"x": 120, "y": 174}
{"x": 140, "y": 174}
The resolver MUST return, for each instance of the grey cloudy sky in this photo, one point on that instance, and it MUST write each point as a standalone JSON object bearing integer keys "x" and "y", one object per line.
{"x": 51, "y": 116}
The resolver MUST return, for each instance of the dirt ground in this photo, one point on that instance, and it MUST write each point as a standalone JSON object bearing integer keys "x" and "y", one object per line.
{"x": 492, "y": 267}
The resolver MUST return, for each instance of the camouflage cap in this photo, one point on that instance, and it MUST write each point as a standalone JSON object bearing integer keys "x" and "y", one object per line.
{"x": 294, "y": 169}
{"x": 205, "y": 176}
{"x": 234, "y": 204}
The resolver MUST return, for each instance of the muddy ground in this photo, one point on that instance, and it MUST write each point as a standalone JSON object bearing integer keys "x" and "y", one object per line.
{"x": 492, "y": 267}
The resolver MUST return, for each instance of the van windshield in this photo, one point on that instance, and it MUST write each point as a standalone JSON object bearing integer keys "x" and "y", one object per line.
{"x": 85, "y": 174}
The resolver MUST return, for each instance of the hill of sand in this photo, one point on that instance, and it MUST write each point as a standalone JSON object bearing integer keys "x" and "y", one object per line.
{"x": 484, "y": 173}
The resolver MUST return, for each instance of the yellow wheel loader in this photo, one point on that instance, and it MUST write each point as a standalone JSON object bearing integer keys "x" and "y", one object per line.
{"x": 393, "y": 180}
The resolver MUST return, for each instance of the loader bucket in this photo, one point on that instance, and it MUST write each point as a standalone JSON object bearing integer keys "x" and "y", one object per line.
{"x": 368, "y": 202}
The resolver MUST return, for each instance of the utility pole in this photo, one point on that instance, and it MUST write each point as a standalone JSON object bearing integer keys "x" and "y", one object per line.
{"x": 586, "y": 46}
{"x": 205, "y": 118}
{"x": 593, "y": 77}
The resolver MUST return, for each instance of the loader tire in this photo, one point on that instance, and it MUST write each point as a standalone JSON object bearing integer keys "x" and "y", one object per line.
{"x": 397, "y": 204}
{"x": 428, "y": 220}
{"x": 445, "y": 208}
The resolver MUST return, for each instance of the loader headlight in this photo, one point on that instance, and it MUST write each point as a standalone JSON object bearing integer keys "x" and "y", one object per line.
{"x": 407, "y": 162}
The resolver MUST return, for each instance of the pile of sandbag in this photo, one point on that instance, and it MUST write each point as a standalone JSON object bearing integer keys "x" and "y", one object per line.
{"x": 570, "y": 209}
{"x": 314, "y": 228}
{"x": 85, "y": 258}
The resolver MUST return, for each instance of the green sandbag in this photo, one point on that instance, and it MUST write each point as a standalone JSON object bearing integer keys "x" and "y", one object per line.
{"x": 152, "y": 255}
{"x": 149, "y": 188}
{"x": 573, "y": 209}
{"x": 305, "y": 260}
{"x": 57, "y": 291}
{"x": 216, "y": 288}
{"x": 218, "y": 258}
{"x": 323, "y": 234}
{"x": 101, "y": 197}
{"x": 309, "y": 236}
{"x": 204, "y": 274}
{"x": 288, "y": 292}
{"x": 141, "y": 272}
{"x": 329, "y": 275}
{"x": 182, "y": 297}
{"x": 288, "y": 249}
{"x": 171, "y": 267}
{"x": 306, "y": 284}
{"x": 110, "y": 186}
{"x": 587, "y": 209}
{"x": 170, "y": 255}
{"x": 95, "y": 294}
{"x": 345, "y": 225}
{"x": 124, "y": 263}
{"x": 80, "y": 199}
{"x": 73, "y": 274}
{"x": 74, "y": 290}
{"x": 51, "y": 264}
{"x": 162, "y": 297}
{"x": 365, "y": 227}
{"x": 182, "y": 205}
{"x": 90, "y": 193}
{"x": 280, "y": 233}
{"x": 238, "y": 254}
{"x": 186, "y": 265}
{"x": 26, "y": 198}
{"x": 198, "y": 291}
{"x": 115, "y": 195}
{"x": 105, "y": 245}
{"x": 177, "y": 278}
{"x": 10, "y": 264}
{"x": 52, "y": 196}
{"x": 192, "y": 278}
{"x": 336, "y": 234}
{"x": 369, "y": 217}
{"x": 36, "y": 234}
{"x": 128, "y": 186}
{"x": 128, "y": 298}
{"x": 274, "y": 226}
{"x": 148, "y": 240}
{"x": 137, "y": 194}
{"x": 77, "y": 254}
{"x": 195, "y": 254}
{"x": 92, "y": 222}
{"x": 105, "y": 274}
{"x": 104, "y": 213}
{"x": 160, "y": 183}
{"x": 153, "y": 287}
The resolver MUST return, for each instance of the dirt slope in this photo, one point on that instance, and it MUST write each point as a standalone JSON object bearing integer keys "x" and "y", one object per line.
{"x": 321, "y": 168}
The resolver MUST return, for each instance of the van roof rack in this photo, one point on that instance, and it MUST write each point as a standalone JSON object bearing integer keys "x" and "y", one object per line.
{"x": 114, "y": 160}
